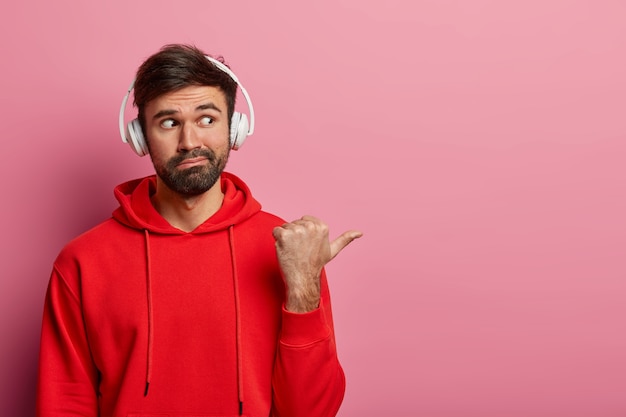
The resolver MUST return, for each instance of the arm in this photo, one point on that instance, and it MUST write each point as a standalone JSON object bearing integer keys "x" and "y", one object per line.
{"x": 67, "y": 376}
{"x": 308, "y": 379}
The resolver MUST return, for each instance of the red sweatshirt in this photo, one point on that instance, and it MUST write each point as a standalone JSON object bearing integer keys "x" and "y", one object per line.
{"x": 143, "y": 319}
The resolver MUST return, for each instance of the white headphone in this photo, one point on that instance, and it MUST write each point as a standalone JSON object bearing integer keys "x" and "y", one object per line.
{"x": 239, "y": 126}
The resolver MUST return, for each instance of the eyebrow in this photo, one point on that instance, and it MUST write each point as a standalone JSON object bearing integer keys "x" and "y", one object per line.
{"x": 169, "y": 112}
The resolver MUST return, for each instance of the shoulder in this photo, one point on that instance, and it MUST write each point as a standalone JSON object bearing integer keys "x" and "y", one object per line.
{"x": 93, "y": 242}
{"x": 257, "y": 230}
{"x": 271, "y": 218}
{"x": 262, "y": 220}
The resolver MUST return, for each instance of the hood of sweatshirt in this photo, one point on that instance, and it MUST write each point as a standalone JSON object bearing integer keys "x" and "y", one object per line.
{"x": 136, "y": 209}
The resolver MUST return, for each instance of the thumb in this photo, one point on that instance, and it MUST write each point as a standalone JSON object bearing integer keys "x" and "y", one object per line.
{"x": 342, "y": 241}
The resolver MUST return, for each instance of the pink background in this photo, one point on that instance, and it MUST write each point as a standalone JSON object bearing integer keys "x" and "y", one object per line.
{"x": 479, "y": 144}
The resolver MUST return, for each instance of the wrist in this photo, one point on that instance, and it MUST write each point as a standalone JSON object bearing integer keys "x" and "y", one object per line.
{"x": 303, "y": 299}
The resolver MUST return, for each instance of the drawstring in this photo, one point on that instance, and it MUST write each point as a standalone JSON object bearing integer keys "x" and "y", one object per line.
{"x": 150, "y": 318}
{"x": 231, "y": 238}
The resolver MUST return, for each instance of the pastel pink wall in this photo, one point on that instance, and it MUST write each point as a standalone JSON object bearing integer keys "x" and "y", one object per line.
{"x": 479, "y": 144}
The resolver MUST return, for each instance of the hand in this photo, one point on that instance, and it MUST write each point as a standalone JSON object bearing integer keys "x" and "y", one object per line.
{"x": 303, "y": 248}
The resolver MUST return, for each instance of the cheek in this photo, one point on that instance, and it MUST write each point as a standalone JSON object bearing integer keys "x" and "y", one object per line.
{"x": 158, "y": 154}
{"x": 218, "y": 138}
{"x": 161, "y": 144}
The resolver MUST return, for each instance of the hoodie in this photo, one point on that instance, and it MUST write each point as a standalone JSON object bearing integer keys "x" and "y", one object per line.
{"x": 142, "y": 320}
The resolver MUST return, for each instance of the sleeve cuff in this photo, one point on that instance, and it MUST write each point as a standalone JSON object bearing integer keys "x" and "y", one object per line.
{"x": 301, "y": 329}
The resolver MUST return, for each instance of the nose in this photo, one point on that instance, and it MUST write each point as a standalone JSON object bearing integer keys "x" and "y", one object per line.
{"x": 188, "y": 139}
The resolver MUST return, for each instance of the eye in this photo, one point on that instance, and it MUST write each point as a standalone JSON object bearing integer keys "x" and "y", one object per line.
{"x": 206, "y": 121}
{"x": 168, "y": 123}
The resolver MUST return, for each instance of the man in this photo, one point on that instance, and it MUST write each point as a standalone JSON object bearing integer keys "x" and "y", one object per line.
{"x": 190, "y": 300}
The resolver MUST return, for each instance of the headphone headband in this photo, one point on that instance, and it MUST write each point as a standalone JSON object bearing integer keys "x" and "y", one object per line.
{"x": 239, "y": 126}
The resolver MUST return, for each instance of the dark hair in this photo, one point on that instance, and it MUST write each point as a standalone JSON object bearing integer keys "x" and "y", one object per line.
{"x": 178, "y": 66}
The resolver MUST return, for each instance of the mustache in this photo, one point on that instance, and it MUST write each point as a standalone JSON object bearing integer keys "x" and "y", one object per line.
{"x": 195, "y": 153}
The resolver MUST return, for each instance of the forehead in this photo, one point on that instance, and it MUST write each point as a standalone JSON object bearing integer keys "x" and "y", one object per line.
{"x": 188, "y": 99}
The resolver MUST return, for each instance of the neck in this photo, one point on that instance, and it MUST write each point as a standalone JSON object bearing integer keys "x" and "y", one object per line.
{"x": 186, "y": 212}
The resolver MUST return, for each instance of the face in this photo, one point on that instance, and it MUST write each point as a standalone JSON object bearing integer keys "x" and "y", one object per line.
{"x": 188, "y": 138}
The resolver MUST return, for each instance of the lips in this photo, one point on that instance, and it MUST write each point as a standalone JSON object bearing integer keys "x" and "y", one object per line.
{"x": 190, "y": 162}
{"x": 190, "y": 159}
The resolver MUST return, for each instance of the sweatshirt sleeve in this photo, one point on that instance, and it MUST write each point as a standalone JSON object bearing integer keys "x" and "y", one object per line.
{"x": 67, "y": 376}
{"x": 308, "y": 379}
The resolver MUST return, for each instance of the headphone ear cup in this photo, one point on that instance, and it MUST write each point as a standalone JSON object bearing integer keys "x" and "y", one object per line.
{"x": 239, "y": 128}
{"x": 135, "y": 138}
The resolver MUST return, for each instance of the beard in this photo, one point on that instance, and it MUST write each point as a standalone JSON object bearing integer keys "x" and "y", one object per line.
{"x": 195, "y": 180}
